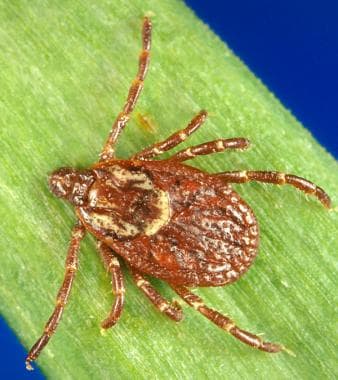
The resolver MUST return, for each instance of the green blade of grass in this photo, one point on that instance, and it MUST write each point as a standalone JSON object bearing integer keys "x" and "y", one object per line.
{"x": 65, "y": 72}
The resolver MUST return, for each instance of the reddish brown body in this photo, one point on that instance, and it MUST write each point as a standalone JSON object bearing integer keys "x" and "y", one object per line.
{"x": 188, "y": 229}
{"x": 164, "y": 219}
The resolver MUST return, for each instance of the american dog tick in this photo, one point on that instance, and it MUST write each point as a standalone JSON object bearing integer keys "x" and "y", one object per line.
{"x": 164, "y": 219}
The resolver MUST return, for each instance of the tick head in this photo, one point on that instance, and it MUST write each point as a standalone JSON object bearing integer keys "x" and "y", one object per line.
{"x": 71, "y": 184}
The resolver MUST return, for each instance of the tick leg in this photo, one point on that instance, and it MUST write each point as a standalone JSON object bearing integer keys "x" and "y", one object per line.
{"x": 72, "y": 261}
{"x": 173, "y": 140}
{"x": 210, "y": 147}
{"x": 225, "y": 323}
{"x": 108, "y": 151}
{"x": 173, "y": 310}
{"x": 112, "y": 265}
{"x": 278, "y": 178}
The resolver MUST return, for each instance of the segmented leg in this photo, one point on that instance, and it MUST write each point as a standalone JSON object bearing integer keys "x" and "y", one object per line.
{"x": 108, "y": 151}
{"x": 172, "y": 310}
{"x": 210, "y": 147}
{"x": 278, "y": 178}
{"x": 112, "y": 265}
{"x": 173, "y": 140}
{"x": 225, "y": 323}
{"x": 78, "y": 233}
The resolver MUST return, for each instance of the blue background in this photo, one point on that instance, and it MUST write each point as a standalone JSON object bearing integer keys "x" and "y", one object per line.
{"x": 292, "y": 45}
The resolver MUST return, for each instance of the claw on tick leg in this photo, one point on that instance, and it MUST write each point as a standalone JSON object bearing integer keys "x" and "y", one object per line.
{"x": 28, "y": 365}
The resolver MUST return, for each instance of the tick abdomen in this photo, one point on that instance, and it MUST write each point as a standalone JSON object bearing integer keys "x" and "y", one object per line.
{"x": 208, "y": 243}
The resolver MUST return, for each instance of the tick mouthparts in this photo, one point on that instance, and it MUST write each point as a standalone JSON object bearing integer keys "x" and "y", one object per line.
{"x": 60, "y": 182}
{"x": 71, "y": 184}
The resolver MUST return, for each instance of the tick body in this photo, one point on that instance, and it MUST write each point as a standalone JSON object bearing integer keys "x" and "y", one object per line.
{"x": 164, "y": 219}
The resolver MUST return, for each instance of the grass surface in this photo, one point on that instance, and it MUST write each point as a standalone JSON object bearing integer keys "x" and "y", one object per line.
{"x": 65, "y": 71}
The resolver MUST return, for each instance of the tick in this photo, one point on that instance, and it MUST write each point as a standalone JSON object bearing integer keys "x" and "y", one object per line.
{"x": 164, "y": 219}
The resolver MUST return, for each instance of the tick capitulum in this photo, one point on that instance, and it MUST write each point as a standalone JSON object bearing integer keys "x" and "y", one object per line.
{"x": 164, "y": 219}
{"x": 71, "y": 184}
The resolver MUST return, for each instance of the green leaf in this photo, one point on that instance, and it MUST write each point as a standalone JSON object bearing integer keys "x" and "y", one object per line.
{"x": 65, "y": 71}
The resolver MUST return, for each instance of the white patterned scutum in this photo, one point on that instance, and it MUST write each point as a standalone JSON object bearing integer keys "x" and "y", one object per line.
{"x": 107, "y": 211}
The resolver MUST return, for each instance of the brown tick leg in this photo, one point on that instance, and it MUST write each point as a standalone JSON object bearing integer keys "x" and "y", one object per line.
{"x": 278, "y": 178}
{"x": 173, "y": 310}
{"x": 108, "y": 151}
{"x": 210, "y": 147}
{"x": 224, "y": 322}
{"x": 112, "y": 265}
{"x": 78, "y": 233}
{"x": 173, "y": 140}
